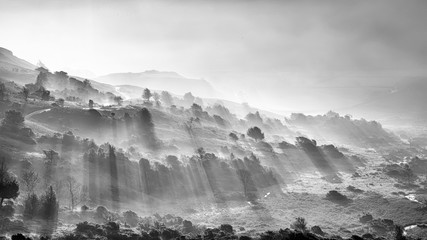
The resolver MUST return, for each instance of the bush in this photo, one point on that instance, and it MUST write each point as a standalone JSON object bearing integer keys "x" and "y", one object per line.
{"x": 131, "y": 218}
{"x": 187, "y": 226}
{"x": 101, "y": 213}
{"x": 336, "y": 196}
{"x": 317, "y": 230}
{"x": 19, "y": 236}
{"x": 227, "y": 228}
{"x": 366, "y": 218}
{"x": 168, "y": 234}
{"x": 300, "y": 224}
{"x": 233, "y": 136}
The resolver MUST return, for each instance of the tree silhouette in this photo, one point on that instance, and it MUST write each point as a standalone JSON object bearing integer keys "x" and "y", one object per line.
{"x": 166, "y": 98}
{"x": 114, "y": 180}
{"x": 13, "y": 120}
{"x": 249, "y": 187}
{"x": 146, "y": 95}
{"x": 90, "y": 103}
{"x": 2, "y": 92}
{"x": 9, "y": 187}
{"x": 25, "y": 93}
{"x": 233, "y": 136}
{"x": 189, "y": 98}
{"x": 49, "y": 205}
{"x": 255, "y": 133}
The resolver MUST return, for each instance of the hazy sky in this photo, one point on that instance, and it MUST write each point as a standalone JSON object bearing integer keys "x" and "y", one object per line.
{"x": 233, "y": 44}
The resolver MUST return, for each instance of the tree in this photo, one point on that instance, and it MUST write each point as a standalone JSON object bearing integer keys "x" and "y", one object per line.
{"x": 13, "y": 120}
{"x": 90, "y": 103}
{"x": 166, "y": 98}
{"x": 114, "y": 180}
{"x": 9, "y": 187}
{"x": 189, "y": 98}
{"x": 233, "y": 136}
{"x": 43, "y": 93}
{"x": 146, "y": 95}
{"x": 60, "y": 102}
{"x": 255, "y": 133}
{"x": 31, "y": 206}
{"x": 49, "y": 205}
{"x": 201, "y": 152}
{"x": 156, "y": 98}
{"x": 249, "y": 187}
{"x": 118, "y": 100}
{"x": 25, "y": 93}
{"x": 197, "y": 110}
{"x": 87, "y": 84}
{"x": 146, "y": 128}
{"x": 254, "y": 118}
{"x": 399, "y": 233}
{"x": 74, "y": 190}
{"x": 29, "y": 180}
{"x": 2, "y": 92}
{"x": 300, "y": 224}
{"x": 51, "y": 160}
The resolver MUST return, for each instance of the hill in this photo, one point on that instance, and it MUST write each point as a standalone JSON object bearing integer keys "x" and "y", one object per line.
{"x": 15, "y": 69}
{"x": 168, "y": 81}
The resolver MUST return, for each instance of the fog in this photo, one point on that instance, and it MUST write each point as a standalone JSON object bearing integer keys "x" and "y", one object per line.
{"x": 165, "y": 120}
{"x": 289, "y": 44}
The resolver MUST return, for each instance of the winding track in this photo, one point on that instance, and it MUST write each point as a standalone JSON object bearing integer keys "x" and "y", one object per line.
{"x": 37, "y": 126}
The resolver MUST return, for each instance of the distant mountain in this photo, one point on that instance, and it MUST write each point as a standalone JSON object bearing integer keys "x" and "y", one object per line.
{"x": 15, "y": 69}
{"x": 169, "y": 81}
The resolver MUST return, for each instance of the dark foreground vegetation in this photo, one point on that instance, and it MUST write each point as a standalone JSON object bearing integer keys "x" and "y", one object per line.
{"x": 171, "y": 227}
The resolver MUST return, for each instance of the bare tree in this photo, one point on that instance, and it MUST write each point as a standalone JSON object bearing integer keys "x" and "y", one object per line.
{"x": 29, "y": 180}
{"x": 74, "y": 190}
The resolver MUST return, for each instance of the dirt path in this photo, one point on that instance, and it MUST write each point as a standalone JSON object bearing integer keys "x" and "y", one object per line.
{"x": 35, "y": 126}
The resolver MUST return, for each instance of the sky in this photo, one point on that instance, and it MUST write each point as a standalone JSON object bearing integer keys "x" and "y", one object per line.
{"x": 253, "y": 51}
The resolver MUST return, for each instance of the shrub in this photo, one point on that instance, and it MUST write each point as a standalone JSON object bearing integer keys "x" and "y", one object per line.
{"x": 168, "y": 234}
{"x": 366, "y": 218}
{"x": 336, "y": 196}
{"x": 101, "y": 213}
{"x": 233, "y": 136}
{"x": 317, "y": 230}
{"x": 300, "y": 224}
{"x": 131, "y": 218}
{"x": 187, "y": 226}
{"x": 227, "y": 228}
{"x": 19, "y": 236}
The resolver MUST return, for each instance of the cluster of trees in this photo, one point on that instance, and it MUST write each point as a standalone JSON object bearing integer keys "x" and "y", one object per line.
{"x": 344, "y": 129}
{"x": 44, "y": 207}
{"x": 13, "y": 126}
{"x": 9, "y": 187}
{"x": 63, "y": 86}
{"x": 110, "y": 174}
